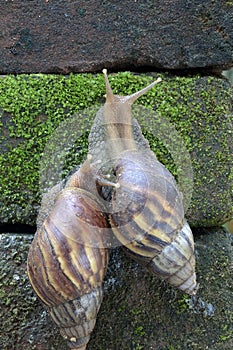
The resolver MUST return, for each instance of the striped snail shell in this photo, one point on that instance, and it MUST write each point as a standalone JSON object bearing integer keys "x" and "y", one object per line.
{"x": 148, "y": 219}
{"x": 147, "y": 214}
{"x": 67, "y": 259}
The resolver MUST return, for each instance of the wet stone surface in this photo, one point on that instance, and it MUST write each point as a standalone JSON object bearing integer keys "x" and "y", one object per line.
{"x": 138, "y": 311}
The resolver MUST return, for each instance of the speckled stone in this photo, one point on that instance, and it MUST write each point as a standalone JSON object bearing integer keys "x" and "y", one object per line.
{"x": 138, "y": 311}
{"x": 85, "y": 36}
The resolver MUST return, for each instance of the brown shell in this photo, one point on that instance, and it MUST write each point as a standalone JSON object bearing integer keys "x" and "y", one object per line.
{"x": 176, "y": 262}
{"x": 148, "y": 219}
{"x": 67, "y": 262}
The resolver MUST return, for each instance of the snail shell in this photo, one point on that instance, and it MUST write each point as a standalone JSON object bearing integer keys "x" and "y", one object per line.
{"x": 146, "y": 210}
{"x": 67, "y": 259}
{"x": 148, "y": 219}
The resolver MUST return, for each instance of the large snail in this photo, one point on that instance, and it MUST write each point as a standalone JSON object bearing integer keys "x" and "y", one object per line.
{"x": 146, "y": 210}
{"x": 68, "y": 258}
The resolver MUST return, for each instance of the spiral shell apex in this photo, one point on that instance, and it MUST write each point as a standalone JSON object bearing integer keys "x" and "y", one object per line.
{"x": 176, "y": 262}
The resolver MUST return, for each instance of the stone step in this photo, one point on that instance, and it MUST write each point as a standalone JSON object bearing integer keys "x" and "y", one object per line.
{"x": 138, "y": 311}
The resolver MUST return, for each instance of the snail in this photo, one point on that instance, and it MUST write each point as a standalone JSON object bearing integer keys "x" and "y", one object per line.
{"x": 146, "y": 211}
{"x": 122, "y": 189}
{"x": 67, "y": 259}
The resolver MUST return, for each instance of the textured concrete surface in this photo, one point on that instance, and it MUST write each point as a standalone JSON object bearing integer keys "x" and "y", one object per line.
{"x": 138, "y": 311}
{"x": 80, "y": 36}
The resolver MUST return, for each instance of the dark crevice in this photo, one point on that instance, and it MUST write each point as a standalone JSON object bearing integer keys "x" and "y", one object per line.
{"x": 198, "y": 232}
{"x": 17, "y": 228}
{"x": 183, "y": 72}
{"x": 117, "y": 67}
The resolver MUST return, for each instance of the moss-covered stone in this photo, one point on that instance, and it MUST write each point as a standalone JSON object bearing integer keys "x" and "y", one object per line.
{"x": 138, "y": 311}
{"x": 33, "y": 106}
{"x": 23, "y": 326}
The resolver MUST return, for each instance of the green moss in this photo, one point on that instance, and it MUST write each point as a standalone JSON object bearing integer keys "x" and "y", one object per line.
{"x": 227, "y": 333}
{"x": 33, "y": 106}
{"x": 139, "y": 334}
{"x": 182, "y": 303}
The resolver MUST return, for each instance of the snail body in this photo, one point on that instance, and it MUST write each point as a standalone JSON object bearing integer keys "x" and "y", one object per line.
{"x": 68, "y": 259}
{"x": 146, "y": 210}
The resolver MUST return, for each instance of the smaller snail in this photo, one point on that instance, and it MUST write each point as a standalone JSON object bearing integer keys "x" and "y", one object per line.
{"x": 68, "y": 258}
{"x": 146, "y": 210}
